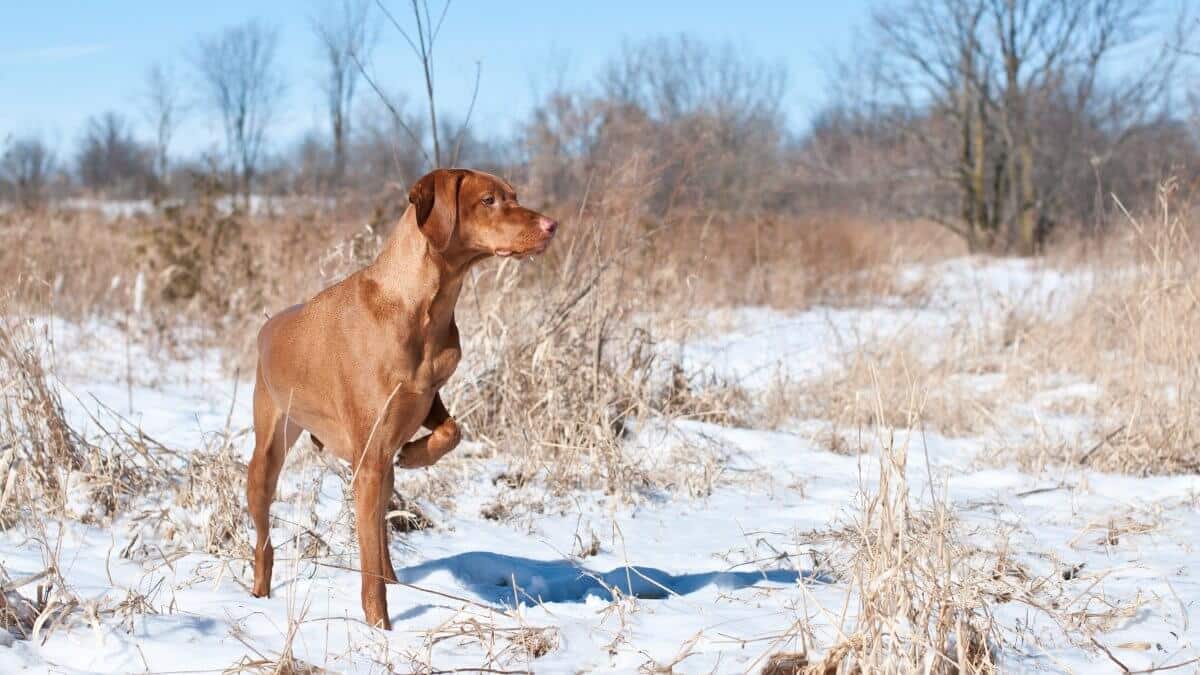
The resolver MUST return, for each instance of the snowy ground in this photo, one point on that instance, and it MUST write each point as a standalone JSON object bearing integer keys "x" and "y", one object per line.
{"x": 112, "y": 209}
{"x": 713, "y": 579}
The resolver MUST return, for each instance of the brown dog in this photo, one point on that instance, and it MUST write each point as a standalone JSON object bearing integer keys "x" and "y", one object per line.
{"x": 359, "y": 366}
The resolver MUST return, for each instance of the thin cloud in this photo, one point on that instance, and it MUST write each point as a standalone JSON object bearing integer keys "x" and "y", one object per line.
{"x": 55, "y": 54}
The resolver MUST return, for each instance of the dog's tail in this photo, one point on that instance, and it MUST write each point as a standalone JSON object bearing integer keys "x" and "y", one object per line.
{"x": 316, "y": 442}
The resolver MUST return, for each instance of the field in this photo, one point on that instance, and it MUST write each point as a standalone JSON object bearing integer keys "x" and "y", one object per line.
{"x": 856, "y": 452}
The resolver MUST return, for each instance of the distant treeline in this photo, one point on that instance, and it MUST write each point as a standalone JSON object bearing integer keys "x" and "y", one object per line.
{"x": 1003, "y": 121}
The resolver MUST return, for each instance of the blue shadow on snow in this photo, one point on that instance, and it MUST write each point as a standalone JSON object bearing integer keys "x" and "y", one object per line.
{"x": 492, "y": 576}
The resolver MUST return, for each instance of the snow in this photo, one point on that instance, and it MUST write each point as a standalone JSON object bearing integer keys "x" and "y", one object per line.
{"x": 117, "y": 209}
{"x": 758, "y": 346}
{"x": 710, "y": 578}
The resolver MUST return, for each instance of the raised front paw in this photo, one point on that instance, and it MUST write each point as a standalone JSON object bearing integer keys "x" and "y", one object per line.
{"x": 445, "y": 438}
{"x": 426, "y": 451}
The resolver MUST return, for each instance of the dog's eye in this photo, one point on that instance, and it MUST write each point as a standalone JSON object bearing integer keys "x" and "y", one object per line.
{"x": 488, "y": 200}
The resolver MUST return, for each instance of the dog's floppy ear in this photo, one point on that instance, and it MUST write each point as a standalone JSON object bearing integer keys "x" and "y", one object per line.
{"x": 435, "y": 198}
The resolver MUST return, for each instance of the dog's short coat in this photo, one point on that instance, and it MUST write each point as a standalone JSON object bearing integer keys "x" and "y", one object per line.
{"x": 359, "y": 366}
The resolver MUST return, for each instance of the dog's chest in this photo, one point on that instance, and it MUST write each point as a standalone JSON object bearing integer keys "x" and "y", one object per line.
{"x": 438, "y": 365}
{"x": 439, "y": 357}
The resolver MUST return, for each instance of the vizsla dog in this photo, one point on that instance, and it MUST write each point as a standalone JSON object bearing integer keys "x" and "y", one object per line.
{"x": 359, "y": 366}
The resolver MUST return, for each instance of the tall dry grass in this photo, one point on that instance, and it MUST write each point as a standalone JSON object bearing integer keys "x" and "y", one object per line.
{"x": 1135, "y": 337}
{"x": 922, "y": 598}
{"x": 1121, "y": 332}
{"x": 565, "y": 355}
{"x": 921, "y": 586}
{"x": 48, "y": 467}
{"x": 1126, "y": 338}
{"x": 563, "y": 352}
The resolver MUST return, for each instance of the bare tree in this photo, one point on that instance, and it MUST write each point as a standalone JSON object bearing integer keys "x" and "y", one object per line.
{"x": 427, "y": 30}
{"x": 26, "y": 168}
{"x": 1007, "y": 98}
{"x": 110, "y": 158}
{"x": 243, "y": 86}
{"x": 686, "y": 123}
{"x": 386, "y": 144}
{"x": 162, "y": 105}
{"x": 344, "y": 36}
{"x": 712, "y": 112}
{"x": 1191, "y": 48}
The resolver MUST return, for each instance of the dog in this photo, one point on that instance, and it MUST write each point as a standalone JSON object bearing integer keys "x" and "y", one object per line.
{"x": 360, "y": 365}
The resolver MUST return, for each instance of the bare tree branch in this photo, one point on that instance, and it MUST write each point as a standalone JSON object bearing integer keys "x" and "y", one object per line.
{"x": 399, "y": 28}
{"x": 399, "y": 119}
{"x": 462, "y": 131}
{"x": 163, "y": 108}
{"x": 422, "y": 46}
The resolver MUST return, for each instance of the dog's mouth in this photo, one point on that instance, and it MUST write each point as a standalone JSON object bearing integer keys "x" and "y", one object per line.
{"x": 537, "y": 249}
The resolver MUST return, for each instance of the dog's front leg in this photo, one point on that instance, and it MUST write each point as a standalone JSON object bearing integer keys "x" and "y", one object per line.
{"x": 370, "y": 501}
{"x": 389, "y": 487}
{"x": 444, "y": 436}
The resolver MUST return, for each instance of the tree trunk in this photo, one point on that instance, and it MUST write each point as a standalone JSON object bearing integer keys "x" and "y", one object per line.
{"x": 339, "y": 150}
{"x": 247, "y": 182}
{"x": 1027, "y": 218}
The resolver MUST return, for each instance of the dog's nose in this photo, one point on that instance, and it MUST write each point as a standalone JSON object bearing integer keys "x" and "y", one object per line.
{"x": 548, "y": 225}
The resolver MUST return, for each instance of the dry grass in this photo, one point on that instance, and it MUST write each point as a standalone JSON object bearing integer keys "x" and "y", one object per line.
{"x": 922, "y": 603}
{"x": 1134, "y": 336}
{"x": 788, "y": 262}
{"x": 565, "y": 355}
{"x": 563, "y": 352}
{"x": 1129, "y": 330}
{"x": 50, "y": 469}
{"x": 40, "y": 448}
{"x": 212, "y": 486}
{"x": 923, "y": 585}
{"x": 568, "y": 370}
{"x": 893, "y": 381}
{"x": 505, "y": 640}
{"x": 175, "y": 502}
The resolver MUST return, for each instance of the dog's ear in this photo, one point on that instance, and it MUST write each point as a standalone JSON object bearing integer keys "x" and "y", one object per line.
{"x": 435, "y": 198}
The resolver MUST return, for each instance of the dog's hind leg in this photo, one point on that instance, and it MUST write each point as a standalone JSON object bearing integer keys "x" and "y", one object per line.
{"x": 273, "y": 435}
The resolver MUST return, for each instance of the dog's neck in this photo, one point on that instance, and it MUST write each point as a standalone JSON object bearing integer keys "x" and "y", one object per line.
{"x": 407, "y": 256}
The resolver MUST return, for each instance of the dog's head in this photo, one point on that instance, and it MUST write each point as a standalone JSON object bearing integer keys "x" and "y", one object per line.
{"x": 475, "y": 212}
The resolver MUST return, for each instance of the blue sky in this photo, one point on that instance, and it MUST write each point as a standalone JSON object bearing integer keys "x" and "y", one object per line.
{"x": 62, "y": 61}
